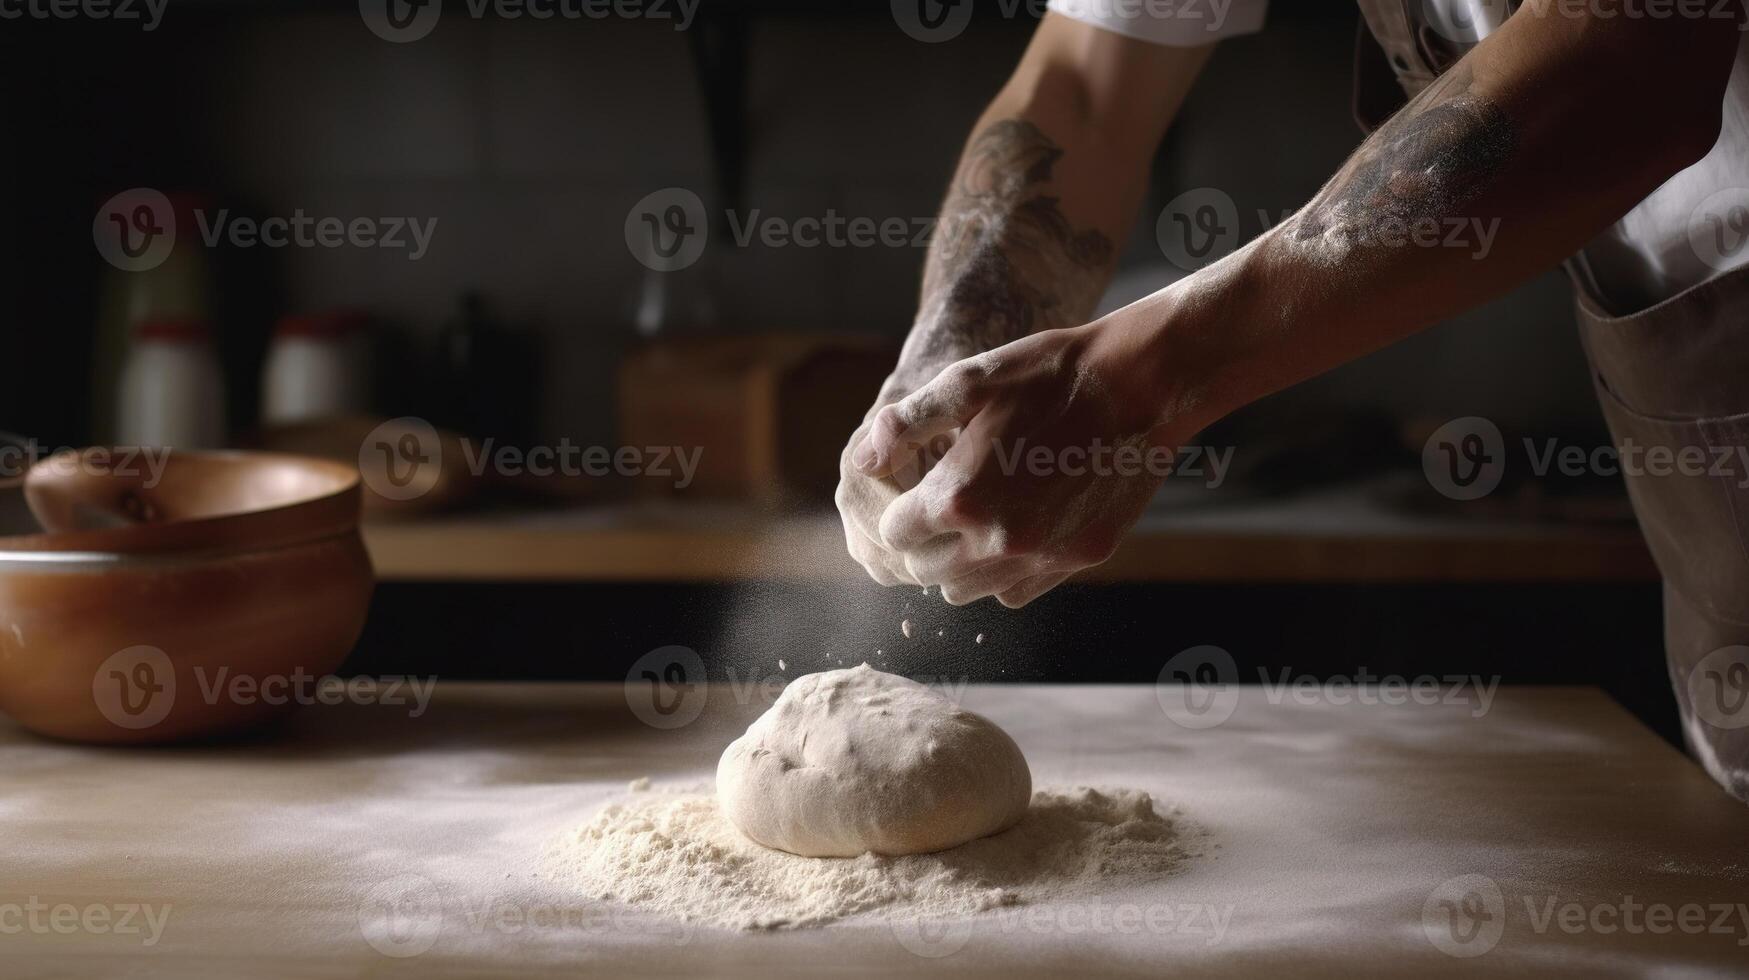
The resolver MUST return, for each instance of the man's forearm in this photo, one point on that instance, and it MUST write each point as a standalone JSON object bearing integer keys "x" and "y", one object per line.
{"x": 1046, "y": 187}
{"x": 1005, "y": 260}
{"x": 1513, "y": 160}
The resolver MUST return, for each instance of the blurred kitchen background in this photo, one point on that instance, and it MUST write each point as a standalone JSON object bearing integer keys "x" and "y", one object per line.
{"x": 529, "y": 320}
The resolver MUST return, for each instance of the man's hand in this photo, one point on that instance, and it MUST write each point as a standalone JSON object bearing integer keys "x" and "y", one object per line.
{"x": 862, "y": 499}
{"x": 1050, "y": 178}
{"x": 1009, "y": 472}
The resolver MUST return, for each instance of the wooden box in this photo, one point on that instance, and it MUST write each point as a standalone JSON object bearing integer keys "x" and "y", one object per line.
{"x": 769, "y": 412}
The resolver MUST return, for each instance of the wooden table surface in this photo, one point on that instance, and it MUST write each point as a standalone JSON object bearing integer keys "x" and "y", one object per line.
{"x": 1544, "y": 832}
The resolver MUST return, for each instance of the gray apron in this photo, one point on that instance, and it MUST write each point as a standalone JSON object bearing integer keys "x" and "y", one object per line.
{"x": 1673, "y": 380}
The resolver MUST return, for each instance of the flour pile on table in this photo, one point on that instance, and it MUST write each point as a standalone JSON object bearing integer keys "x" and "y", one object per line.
{"x": 677, "y": 855}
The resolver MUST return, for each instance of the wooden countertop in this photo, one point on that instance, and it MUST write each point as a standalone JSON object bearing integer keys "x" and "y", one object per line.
{"x": 1351, "y": 836}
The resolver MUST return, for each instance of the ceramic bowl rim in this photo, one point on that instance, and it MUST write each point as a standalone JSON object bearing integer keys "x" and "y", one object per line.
{"x": 294, "y": 521}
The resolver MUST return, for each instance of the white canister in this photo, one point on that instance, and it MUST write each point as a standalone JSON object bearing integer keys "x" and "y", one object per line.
{"x": 172, "y": 392}
{"x": 316, "y": 368}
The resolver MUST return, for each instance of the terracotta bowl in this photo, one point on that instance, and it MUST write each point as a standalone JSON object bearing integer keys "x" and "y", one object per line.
{"x": 174, "y": 594}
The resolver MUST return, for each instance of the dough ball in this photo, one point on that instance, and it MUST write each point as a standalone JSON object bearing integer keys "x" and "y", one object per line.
{"x": 852, "y": 761}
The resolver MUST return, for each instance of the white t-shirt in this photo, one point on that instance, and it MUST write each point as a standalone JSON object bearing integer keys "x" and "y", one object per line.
{"x": 1179, "y": 23}
{"x": 1693, "y": 228}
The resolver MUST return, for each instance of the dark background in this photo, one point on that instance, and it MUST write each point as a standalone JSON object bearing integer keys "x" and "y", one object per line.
{"x": 530, "y": 140}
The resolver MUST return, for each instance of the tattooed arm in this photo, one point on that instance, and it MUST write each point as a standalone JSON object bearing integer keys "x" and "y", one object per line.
{"x": 1005, "y": 260}
{"x": 1534, "y": 143}
{"x": 1537, "y": 140}
{"x": 1050, "y": 178}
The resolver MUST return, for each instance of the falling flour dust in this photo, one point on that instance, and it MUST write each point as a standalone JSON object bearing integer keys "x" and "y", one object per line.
{"x": 674, "y": 853}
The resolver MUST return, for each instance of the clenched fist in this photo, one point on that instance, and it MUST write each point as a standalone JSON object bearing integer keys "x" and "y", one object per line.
{"x": 1010, "y": 470}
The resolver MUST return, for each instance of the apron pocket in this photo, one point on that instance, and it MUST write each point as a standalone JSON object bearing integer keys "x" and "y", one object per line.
{"x": 1689, "y": 480}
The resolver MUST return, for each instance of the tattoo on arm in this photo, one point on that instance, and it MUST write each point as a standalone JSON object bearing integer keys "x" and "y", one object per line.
{"x": 1433, "y": 158}
{"x": 1004, "y": 260}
